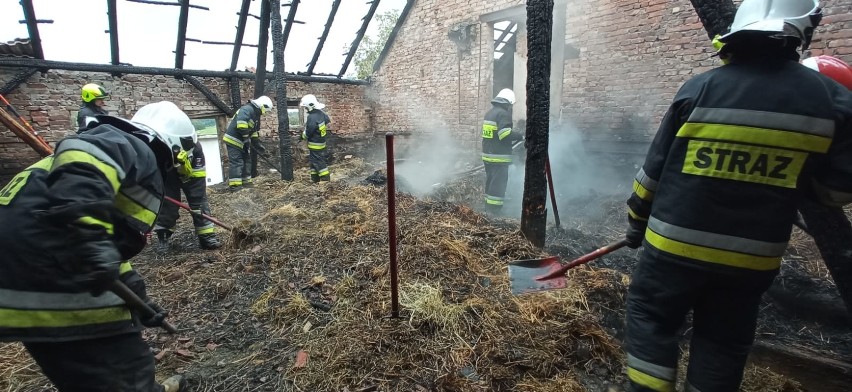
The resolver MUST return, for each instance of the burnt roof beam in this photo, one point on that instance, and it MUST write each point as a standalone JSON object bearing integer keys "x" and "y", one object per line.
{"x": 241, "y": 29}
{"x": 23, "y": 62}
{"x": 506, "y": 32}
{"x": 180, "y": 49}
{"x": 392, "y": 37}
{"x": 358, "y": 37}
{"x": 324, "y": 36}
{"x": 262, "y": 48}
{"x": 32, "y": 28}
{"x": 166, "y": 3}
{"x": 291, "y": 18}
{"x": 112, "y": 13}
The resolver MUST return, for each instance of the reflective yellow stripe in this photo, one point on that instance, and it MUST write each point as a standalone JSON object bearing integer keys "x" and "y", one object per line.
{"x": 643, "y": 193}
{"x": 199, "y": 173}
{"x": 711, "y": 255}
{"x": 206, "y": 230}
{"x": 762, "y": 119}
{"x": 74, "y": 156}
{"x": 649, "y": 381}
{"x": 242, "y": 125}
{"x": 316, "y": 146}
{"x": 634, "y": 215}
{"x": 88, "y": 220}
{"x": 15, "y": 318}
{"x": 739, "y": 162}
{"x": 762, "y": 136}
{"x": 232, "y": 141}
{"x": 322, "y": 129}
{"x": 323, "y": 172}
{"x": 235, "y": 182}
{"x": 503, "y": 133}
{"x": 495, "y": 158}
{"x": 43, "y": 164}
{"x": 124, "y": 267}
{"x": 135, "y": 210}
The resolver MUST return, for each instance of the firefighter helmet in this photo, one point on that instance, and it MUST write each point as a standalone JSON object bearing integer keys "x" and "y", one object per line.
{"x": 832, "y": 67}
{"x": 777, "y": 18}
{"x": 263, "y": 102}
{"x": 506, "y": 96}
{"x": 310, "y": 102}
{"x": 92, "y": 92}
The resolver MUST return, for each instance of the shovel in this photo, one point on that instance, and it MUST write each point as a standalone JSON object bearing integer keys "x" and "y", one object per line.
{"x": 531, "y": 275}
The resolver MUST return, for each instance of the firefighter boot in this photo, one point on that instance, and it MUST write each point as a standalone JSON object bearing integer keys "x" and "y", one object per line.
{"x": 163, "y": 241}
{"x": 175, "y": 384}
{"x": 209, "y": 241}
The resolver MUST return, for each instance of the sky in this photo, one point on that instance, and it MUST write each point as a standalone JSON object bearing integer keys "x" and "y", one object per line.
{"x": 147, "y": 33}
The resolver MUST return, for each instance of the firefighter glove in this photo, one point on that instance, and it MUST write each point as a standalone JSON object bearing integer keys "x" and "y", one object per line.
{"x": 98, "y": 265}
{"x": 155, "y": 320}
{"x": 635, "y": 232}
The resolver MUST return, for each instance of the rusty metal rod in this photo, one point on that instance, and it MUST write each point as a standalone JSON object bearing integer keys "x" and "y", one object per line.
{"x": 392, "y": 226}
{"x": 205, "y": 216}
{"x": 552, "y": 192}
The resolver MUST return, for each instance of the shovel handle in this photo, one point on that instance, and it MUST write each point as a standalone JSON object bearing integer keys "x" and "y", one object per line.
{"x": 130, "y": 298}
{"x": 586, "y": 258}
{"x": 188, "y": 208}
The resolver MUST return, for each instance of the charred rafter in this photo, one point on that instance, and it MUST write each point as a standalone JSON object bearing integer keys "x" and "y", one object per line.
{"x": 16, "y": 80}
{"x": 392, "y": 37}
{"x": 358, "y": 37}
{"x": 167, "y": 3}
{"x": 210, "y": 95}
{"x": 241, "y": 29}
{"x": 181, "y": 40}
{"x": 218, "y": 42}
{"x": 503, "y": 35}
{"x": 262, "y": 48}
{"x": 32, "y": 28}
{"x": 112, "y": 14}
{"x": 324, "y": 36}
{"x": 291, "y": 18}
{"x": 22, "y": 62}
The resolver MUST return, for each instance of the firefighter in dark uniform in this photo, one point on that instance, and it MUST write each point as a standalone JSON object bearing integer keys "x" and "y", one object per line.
{"x": 716, "y": 198}
{"x": 71, "y": 222}
{"x": 316, "y": 134}
{"x": 497, "y": 140}
{"x": 94, "y": 99}
{"x": 241, "y": 136}
{"x": 191, "y": 177}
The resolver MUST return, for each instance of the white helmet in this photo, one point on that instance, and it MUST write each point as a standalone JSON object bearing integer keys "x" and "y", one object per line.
{"x": 169, "y": 124}
{"x": 263, "y": 102}
{"x": 506, "y": 95}
{"x": 780, "y": 18}
{"x": 310, "y": 102}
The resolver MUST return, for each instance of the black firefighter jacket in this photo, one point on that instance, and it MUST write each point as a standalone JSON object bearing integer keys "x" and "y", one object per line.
{"x": 101, "y": 185}
{"x": 735, "y": 153}
{"x": 316, "y": 130}
{"x": 497, "y": 134}
{"x": 87, "y": 114}
{"x": 244, "y": 127}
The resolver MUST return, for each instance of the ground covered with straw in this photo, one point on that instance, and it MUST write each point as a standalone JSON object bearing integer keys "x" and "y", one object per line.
{"x": 300, "y": 299}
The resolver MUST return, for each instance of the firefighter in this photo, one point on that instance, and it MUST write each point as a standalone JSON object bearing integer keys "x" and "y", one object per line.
{"x": 715, "y": 201}
{"x": 829, "y": 226}
{"x": 316, "y": 134}
{"x": 242, "y": 135}
{"x": 71, "y": 222}
{"x": 94, "y": 98}
{"x": 191, "y": 177}
{"x": 497, "y": 140}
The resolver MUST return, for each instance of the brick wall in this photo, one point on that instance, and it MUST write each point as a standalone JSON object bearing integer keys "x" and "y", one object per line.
{"x": 50, "y": 101}
{"x": 633, "y": 56}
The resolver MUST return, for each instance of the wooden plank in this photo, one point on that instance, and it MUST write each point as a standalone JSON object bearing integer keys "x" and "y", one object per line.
{"x": 816, "y": 372}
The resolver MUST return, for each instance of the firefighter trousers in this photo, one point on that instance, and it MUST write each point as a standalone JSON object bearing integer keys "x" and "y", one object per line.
{"x": 496, "y": 178}
{"x": 239, "y": 165}
{"x": 116, "y": 363}
{"x": 196, "y": 196}
{"x": 318, "y": 166}
{"x": 724, "y": 316}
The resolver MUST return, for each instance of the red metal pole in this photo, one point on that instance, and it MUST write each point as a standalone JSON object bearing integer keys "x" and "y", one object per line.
{"x": 392, "y": 226}
{"x": 27, "y": 124}
{"x": 205, "y": 216}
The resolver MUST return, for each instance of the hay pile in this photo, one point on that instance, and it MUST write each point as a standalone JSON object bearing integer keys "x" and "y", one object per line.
{"x": 299, "y": 300}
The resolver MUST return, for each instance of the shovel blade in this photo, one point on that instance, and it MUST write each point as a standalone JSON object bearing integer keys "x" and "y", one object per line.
{"x": 524, "y": 274}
